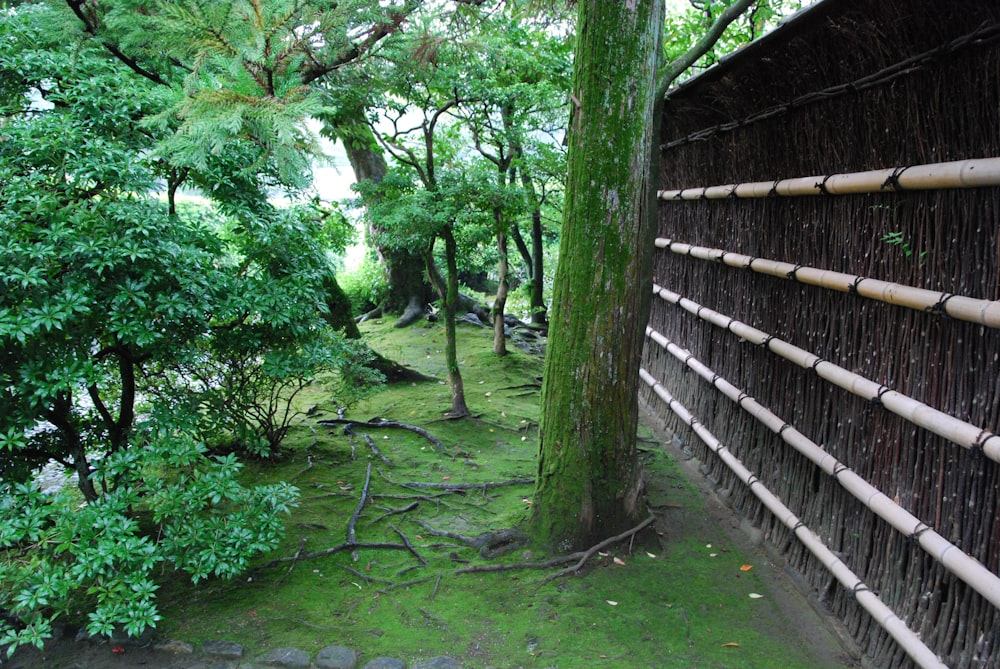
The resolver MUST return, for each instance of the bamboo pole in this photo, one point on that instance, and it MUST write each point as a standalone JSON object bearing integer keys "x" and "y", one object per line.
{"x": 973, "y": 310}
{"x": 882, "y": 614}
{"x": 962, "y": 565}
{"x": 970, "y": 173}
{"x": 959, "y": 432}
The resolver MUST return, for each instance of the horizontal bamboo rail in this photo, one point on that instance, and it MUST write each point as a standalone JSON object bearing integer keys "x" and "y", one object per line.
{"x": 882, "y": 614}
{"x": 957, "y": 174}
{"x": 959, "y": 563}
{"x": 971, "y": 309}
{"x": 954, "y": 430}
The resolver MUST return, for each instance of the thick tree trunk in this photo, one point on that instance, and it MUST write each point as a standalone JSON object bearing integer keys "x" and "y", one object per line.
{"x": 409, "y": 292}
{"x": 589, "y": 482}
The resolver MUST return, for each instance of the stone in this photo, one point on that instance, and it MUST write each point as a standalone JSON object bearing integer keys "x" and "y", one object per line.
{"x": 385, "y": 663}
{"x": 336, "y": 657}
{"x": 441, "y": 662}
{"x": 222, "y": 649}
{"x": 174, "y": 646}
{"x": 287, "y": 658}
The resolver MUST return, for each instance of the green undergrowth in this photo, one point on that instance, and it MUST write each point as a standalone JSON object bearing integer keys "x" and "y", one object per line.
{"x": 675, "y": 597}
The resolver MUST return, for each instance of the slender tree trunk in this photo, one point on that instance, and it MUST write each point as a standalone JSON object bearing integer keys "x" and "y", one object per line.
{"x": 533, "y": 258}
{"x": 500, "y": 302}
{"x": 590, "y": 482}
{"x": 448, "y": 290}
{"x": 61, "y": 415}
{"x": 539, "y": 312}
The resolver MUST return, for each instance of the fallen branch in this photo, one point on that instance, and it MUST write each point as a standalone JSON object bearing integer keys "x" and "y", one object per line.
{"x": 381, "y": 422}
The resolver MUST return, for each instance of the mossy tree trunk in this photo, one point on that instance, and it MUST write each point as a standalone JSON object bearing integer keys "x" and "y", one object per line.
{"x": 448, "y": 292}
{"x": 589, "y": 482}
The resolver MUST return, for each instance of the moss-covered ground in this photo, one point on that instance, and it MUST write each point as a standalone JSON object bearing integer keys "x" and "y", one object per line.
{"x": 682, "y": 595}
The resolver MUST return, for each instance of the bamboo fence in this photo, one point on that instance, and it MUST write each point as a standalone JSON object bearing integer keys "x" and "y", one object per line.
{"x": 955, "y": 174}
{"x": 956, "y": 431}
{"x": 885, "y": 298}
{"x": 974, "y": 310}
{"x": 885, "y": 616}
{"x": 962, "y": 565}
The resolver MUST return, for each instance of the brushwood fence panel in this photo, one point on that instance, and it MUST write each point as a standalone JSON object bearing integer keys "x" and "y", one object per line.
{"x": 821, "y": 390}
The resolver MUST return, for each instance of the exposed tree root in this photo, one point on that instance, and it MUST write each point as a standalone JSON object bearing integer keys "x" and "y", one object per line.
{"x": 414, "y": 312}
{"x": 381, "y": 422}
{"x": 347, "y": 545}
{"x": 589, "y": 553}
{"x": 409, "y": 546}
{"x": 489, "y": 485}
{"x": 580, "y": 557}
{"x": 352, "y": 523}
{"x": 295, "y": 558}
{"x": 365, "y": 577}
{"x": 489, "y": 544}
{"x": 371, "y": 445}
{"x": 393, "y": 512}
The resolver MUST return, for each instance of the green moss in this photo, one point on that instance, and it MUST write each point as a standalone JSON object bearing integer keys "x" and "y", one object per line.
{"x": 675, "y": 605}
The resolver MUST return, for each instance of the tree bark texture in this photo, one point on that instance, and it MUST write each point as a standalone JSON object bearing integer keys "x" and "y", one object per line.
{"x": 589, "y": 480}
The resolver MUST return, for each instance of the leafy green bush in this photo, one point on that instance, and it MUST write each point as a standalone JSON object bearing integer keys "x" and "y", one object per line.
{"x": 109, "y": 295}
{"x": 60, "y": 556}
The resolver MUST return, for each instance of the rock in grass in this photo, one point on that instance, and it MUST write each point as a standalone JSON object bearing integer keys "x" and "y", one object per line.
{"x": 222, "y": 649}
{"x": 174, "y": 646}
{"x": 439, "y": 663}
{"x": 287, "y": 658}
{"x": 336, "y": 657}
{"x": 385, "y": 663}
